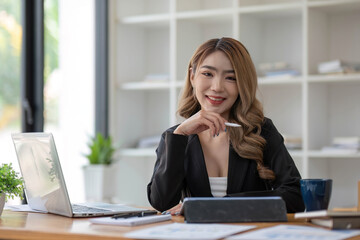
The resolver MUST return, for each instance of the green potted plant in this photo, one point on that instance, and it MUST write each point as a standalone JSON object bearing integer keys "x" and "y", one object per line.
{"x": 11, "y": 185}
{"x": 99, "y": 185}
{"x": 101, "y": 150}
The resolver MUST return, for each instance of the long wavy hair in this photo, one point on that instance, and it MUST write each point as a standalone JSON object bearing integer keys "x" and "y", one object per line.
{"x": 247, "y": 110}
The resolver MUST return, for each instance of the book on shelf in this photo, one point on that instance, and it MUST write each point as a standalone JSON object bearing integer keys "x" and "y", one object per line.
{"x": 273, "y": 66}
{"x": 276, "y": 70}
{"x": 338, "y": 222}
{"x": 346, "y": 141}
{"x": 338, "y": 66}
{"x": 292, "y": 142}
{"x": 346, "y": 145}
{"x": 149, "y": 142}
{"x": 281, "y": 73}
{"x": 327, "y": 214}
{"x": 339, "y": 150}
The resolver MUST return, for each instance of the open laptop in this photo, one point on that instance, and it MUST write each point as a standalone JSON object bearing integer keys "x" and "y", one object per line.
{"x": 45, "y": 187}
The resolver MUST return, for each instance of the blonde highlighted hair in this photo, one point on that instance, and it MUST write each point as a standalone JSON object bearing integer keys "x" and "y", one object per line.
{"x": 247, "y": 110}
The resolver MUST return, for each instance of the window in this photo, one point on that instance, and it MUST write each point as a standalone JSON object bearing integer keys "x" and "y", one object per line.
{"x": 10, "y": 59}
{"x": 69, "y": 49}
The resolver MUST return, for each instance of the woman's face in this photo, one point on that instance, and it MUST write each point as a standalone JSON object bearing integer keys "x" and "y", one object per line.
{"x": 215, "y": 84}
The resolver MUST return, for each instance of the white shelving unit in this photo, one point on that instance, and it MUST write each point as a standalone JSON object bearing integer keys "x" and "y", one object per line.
{"x": 157, "y": 38}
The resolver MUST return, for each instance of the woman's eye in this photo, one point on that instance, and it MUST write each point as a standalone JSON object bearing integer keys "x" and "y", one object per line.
{"x": 231, "y": 78}
{"x": 207, "y": 74}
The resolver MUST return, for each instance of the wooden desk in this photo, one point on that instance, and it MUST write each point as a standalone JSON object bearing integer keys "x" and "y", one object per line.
{"x": 21, "y": 225}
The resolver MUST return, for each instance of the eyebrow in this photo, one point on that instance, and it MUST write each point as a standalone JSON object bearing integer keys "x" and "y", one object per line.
{"x": 215, "y": 69}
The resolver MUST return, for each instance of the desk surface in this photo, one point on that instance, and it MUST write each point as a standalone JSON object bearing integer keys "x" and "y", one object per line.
{"x": 22, "y": 225}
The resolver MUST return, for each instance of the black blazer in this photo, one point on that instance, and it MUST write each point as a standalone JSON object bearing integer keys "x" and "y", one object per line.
{"x": 180, "y": 171}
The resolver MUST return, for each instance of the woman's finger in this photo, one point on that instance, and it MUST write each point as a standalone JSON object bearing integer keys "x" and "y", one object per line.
{"x": 216, "y": 119}
{"x": 175, "y": 210}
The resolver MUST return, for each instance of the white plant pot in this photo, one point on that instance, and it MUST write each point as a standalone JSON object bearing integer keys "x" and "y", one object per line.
{"x": 100, "y": 182}
{"x": 2, "y": 202}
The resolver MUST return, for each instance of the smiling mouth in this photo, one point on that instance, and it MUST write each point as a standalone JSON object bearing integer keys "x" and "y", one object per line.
{"x": 215, "y": 100}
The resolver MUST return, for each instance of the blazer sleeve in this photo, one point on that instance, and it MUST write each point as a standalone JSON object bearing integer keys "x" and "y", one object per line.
{"x": 165, "y": 188}
{"x": 287, "y": 182}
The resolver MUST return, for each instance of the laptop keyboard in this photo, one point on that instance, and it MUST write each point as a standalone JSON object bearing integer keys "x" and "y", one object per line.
{"x": 84, "y": 209}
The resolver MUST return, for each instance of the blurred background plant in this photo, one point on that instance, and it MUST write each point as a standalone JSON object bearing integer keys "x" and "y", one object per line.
{"x": 101, "y": 150}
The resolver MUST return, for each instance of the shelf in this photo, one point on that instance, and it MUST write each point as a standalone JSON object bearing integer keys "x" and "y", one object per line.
{"x": 205, "y": 13}
{"x": 296, "y": 153}
{"x": 142, "y": 19}
{"x": 279, "y": 80}
{"x": 265, "y": 81}
{"x": 261, "y": 3}
{"x": 334, "y": 78}
{"x": 138, "y": 152}
{"x": 145, "y": 86}
{"x": 150, "y": 152}
{"x": 335, "y": 6}
{"x": 322, "y": 154}
{"x": 194, "y": 5}
{"x": 269, "y": 10}
{"x": 179, "y": 84}
{"x": 158, "y": 37}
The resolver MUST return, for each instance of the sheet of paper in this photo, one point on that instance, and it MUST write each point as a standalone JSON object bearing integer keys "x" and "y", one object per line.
{"x": 286, "y": 232}
{"x": 21, "y": 208}
{"x": 133, "y": 221}
{"x": 188, "y": 231}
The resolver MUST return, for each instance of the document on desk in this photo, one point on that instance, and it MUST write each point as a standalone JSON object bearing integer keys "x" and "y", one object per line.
{"x": 188, "y": 231}
{"x": 22, "y": 208}
{"x": 132, "y": 221}
{"x": 285, "y": 232}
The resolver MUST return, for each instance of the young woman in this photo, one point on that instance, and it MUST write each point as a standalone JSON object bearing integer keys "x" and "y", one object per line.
{"x": 203, "y": 156}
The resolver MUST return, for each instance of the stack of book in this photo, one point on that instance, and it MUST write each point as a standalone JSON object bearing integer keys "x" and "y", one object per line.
{"x": 292, "y": 142}
{"x": 332, "y": 219}
{"x": 343, "y": 145}
{"x": 149, "y": 142}
{"x": 338, "y": 66}
{"x": 277, "y": 70}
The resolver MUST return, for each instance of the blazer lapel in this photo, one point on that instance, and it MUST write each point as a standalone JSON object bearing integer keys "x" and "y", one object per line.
{"x": 237, "y": 171}
{"x": 197, "y": 168}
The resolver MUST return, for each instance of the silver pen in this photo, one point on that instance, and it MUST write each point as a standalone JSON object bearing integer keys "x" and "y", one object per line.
{"x": 232, "y": 124}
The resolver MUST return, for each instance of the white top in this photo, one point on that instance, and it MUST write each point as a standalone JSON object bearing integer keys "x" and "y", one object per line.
{"x": 218, "y": 186}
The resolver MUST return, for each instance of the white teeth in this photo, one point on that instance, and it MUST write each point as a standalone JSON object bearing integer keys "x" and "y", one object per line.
{"x": 216, "y": 99}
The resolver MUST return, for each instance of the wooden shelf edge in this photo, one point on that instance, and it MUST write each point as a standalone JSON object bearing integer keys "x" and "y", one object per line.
{"x": 269, "y": 7}
{"x": 145, "y": 86}
{"x": 138, "y": 152}
{"x": 330, "y": 3}
{"x": 323, "y": 154}
{"x": 334, "y": 78}
{"x": 279, "y": 80}
{"x": 165, "y": 17}
{"x": 139, "y": 19}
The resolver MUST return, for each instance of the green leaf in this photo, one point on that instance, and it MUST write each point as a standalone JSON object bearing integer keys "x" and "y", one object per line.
{"x": 10, "y": 182}
{"x": 101, "y": 150}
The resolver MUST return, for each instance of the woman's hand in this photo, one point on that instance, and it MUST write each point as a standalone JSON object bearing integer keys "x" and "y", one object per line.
{"x": 175, "y": 210}
{"x": 202, "y": 121}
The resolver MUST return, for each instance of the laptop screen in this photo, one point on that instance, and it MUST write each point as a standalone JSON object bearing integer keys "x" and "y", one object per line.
{"x": 40, "y": 167}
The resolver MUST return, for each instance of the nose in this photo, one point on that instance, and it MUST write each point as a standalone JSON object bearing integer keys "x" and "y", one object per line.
{"x": 217, "y": 84}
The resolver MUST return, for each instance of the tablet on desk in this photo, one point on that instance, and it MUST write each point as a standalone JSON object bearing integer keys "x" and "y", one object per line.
{"x": 234, "y": 209}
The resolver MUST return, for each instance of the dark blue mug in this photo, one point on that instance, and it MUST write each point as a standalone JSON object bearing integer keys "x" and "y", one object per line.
{"x": 316, "y": 193}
